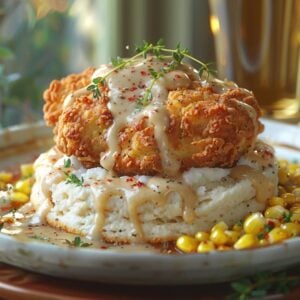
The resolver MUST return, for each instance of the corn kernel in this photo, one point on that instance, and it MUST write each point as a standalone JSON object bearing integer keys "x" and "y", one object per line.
{"x": 224, "y": 248}
{"x": 187, "y": 244}
{"x": 254, "y": 223}
{"x": 232, "y": 236}
{"x": 295, "y": 207}
{"x": 283, "y": 176}
{"x": 19, "y": 197}
{"x": 27, "y": 170}
{"x": 292, "y": 168}
{"x": 296, "y": 216}
{"x": 263, "y": 242}
{"x": 289, "y": 198}
{"x": 246, "y": 241}
{"x": 290, "y": 188}
{"x": 292, "y": 228}
{"x": 205, "y": 247}
{"x": 220, "y": 225}
{"x": 202, "y": 236}
{"x": 277, "y": 201}
{"x": 218, "y": 237}
{"x": 238, "y": 227}
{"x": 281, "y": 190}
{"x": 23, "y": 186}
{"x": 6, "y": 177}
{"x": 2, "y": 186}
{"x": 296, "y": 192}
{"x": 275, "y": 212}
{"x": 283, "y": 163}
{"x": 277, "y": 235}
{"x": 296, "y": 179}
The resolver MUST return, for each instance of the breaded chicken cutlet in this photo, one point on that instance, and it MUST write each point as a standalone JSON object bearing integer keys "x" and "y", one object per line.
{"x": 205, "y": 125}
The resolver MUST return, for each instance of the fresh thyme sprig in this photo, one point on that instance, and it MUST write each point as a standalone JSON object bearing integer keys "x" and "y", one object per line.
{"x": 72, "y": 178}
{"x": 262, "y": 284}
{"x": 159, "y": 50}
{"x": 77, "y": 242}
{"x": 67, "y": 163}
{"x": 287, "y": 217}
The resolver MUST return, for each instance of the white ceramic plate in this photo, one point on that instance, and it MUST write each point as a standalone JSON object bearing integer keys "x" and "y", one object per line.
{"x": 140, "y": 267}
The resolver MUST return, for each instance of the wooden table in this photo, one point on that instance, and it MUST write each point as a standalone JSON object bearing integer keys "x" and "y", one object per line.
{"x": 17, "y": 284}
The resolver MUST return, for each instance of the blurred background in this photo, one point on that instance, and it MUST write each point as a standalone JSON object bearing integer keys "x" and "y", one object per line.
{"x": 44, "y": 40}
{"x": 255, "y": 43}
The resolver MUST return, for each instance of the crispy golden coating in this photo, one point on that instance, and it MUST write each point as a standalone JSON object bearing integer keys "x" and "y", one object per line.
{"x": 206, "y": 129}
{"x": 59, "y": 89}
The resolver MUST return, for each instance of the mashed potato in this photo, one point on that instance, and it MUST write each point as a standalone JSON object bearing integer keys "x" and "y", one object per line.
{"x": 152, "y": 209}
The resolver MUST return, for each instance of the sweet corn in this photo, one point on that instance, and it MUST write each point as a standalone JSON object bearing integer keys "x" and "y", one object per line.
{"x": 295, "y": 207}
{"x": 246, "y": 241}
{"x": 232, "y": 236}
{"x": 2, "y": 185}
{"x": 220, "y": 225}
{"x": 23, "y": 186}
{"x": 289, "y": 198}
{"x": 202, "y": 236}
{"x": 263, "y": 242}
{"x": 224, "y": 248}
{"x": 6, "y": 177}
{"x": 296, "y": 179}
{"x": 290, "y": 188}
{"x": 187, "y": 244}
{"x": 19, "y": 197}
{"x": 296, "y": 216}
{"x": 292, "y": 168}
{"x": 205, "y": 247}
{"x": 283, "y": 163}
{"x": 277, "y": 235}
{"x": 275, "y": 212}
{"x": 27, "y": 170}
{"x": 296, "y": 192}
{"x": 292, "y": 228}
{"x": 283, "y": 176}
{"x": 218, "y": 237}
{"x": 254, "y": 223}
{"x": 238, "y": 227}
{"x": 281, "y": 190}
{"x": 277, "y": 201}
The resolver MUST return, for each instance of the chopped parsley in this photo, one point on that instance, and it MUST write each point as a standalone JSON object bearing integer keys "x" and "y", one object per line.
{"x": 77, "y": 242}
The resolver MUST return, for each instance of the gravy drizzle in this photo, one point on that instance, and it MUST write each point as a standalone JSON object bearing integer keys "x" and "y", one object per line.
{"x": 157, "y": 190}
{"x": 263, "y": 186}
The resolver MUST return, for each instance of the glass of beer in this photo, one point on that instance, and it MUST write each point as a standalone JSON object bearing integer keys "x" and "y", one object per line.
{"x": 258, "y": 46}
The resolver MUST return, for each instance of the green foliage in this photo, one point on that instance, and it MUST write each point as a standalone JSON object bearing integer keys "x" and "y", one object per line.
{"x": 29, "y": 59}
{"x": 77, "y": 242}
{"x": 263, "y": 284}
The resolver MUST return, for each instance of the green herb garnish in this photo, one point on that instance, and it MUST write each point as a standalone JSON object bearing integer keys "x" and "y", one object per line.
{"x": 286, "y": 217}
{"x": 67, "y": 163}
{"x": 262, "y": 284}
{"x": 72, "y": 178}
{"x": 77, "y": 242}
{"x": 160, "y": 51}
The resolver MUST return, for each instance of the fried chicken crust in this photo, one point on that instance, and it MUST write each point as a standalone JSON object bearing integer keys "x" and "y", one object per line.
{"x": 59, "y": 90}
{"x": 206, "y": 129}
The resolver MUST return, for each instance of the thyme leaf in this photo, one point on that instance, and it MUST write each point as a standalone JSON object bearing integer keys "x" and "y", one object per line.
{"x": 67, "y": 163}
{"x": 286, "y": 217}
{"x": 160, "y": 51}
{"x": 77, "y": 242}
{"x": 262, "y": 284}
{"x": 73, "y": 179}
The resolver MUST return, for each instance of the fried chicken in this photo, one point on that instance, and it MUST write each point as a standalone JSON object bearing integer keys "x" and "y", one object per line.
{"x": 205, "y": 128}
{"x": 58, "y": 91}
